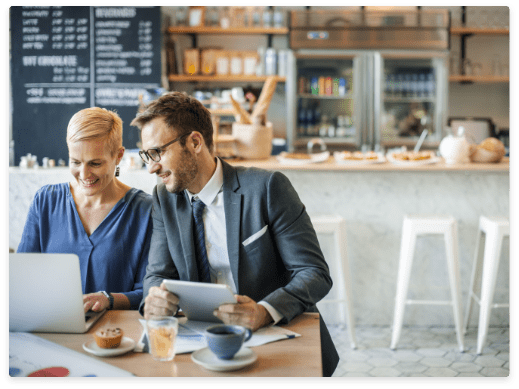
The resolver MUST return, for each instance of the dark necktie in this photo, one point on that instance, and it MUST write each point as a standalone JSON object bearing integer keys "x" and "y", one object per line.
{"x": 201, "y": 254}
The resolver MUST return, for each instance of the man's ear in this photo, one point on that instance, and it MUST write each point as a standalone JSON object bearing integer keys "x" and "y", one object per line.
{"x": 198, "y": 139}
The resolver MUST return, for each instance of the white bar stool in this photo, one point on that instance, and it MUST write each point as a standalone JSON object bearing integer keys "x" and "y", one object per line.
{"x": 495, "y": 229}
{"x": 336, "y": 226}
{"x": 415, "y": 225}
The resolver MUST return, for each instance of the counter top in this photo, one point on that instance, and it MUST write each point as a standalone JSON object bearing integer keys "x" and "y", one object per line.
{"x": 330, "y": 165}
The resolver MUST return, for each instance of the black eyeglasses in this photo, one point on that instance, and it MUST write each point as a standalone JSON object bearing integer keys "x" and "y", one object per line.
{"x": 154, "y": 154}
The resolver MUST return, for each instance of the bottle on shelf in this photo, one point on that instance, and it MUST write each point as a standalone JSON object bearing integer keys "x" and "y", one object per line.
{"x": 343, "y": 87}
{"x": 331, "y": 129}
{"x": 279, "y": 19}
{"x": 225, "y": 20}
{"x": 310, "y": 121}
{"x": 340, "y": 132}
{"x": 256, "y": 17}
{"x": 267, "y": 17}
{"x": 301, "y": 118}
{"x": 323, "y": 128}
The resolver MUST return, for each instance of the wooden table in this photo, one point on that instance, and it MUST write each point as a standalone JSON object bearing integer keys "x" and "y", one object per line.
{"x": 297, "y": 357}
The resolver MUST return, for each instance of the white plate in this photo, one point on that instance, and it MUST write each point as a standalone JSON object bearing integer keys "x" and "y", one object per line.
{"x": 127, "y": 344}
{"x": 208, "y": 360}
{"x": 342, "y": 161}
{"x": 314, "y": 158}
{"x": 429, "y": 161}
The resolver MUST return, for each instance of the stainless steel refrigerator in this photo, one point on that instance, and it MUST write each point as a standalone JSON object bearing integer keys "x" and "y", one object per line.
{"x": 367, "y": 78}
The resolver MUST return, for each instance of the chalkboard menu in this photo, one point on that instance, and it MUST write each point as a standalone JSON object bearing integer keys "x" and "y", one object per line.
{"x": 64, "y": 59}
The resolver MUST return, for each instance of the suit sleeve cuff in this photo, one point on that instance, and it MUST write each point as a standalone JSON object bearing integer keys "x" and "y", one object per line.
{"x": 273, "y": 311}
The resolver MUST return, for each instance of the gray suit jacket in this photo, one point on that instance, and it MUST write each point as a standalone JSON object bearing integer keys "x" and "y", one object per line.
{"x": 284, "y": 267}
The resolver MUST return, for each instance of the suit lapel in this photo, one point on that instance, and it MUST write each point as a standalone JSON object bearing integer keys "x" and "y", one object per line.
{"x": 185, "y": 227}
{"x": 232, "y": 207}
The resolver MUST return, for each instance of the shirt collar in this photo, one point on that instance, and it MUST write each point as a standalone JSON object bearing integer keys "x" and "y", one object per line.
{"x": 212, "y": 188}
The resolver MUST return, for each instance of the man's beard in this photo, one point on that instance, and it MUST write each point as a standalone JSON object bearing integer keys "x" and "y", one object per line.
{"x": 186, "y": 173}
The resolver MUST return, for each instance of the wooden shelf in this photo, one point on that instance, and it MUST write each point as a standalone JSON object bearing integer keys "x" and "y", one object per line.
{"x": 230, "y": 30}
{"x": 479, "y": 31}
{"x": 229, "y": 78}
{"x": 479, "y": 79}
{"x": 331, "y": 97}
{"x": 222, "y": 112}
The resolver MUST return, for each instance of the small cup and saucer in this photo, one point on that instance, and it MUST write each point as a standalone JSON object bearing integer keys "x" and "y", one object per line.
{"x": 225, "y": 351}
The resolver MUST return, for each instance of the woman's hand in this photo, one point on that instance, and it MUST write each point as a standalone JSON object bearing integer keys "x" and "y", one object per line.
{"x": 95, "y": 302}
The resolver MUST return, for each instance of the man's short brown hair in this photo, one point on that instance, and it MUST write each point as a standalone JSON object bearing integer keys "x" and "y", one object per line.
{"x": 181, "y": 113}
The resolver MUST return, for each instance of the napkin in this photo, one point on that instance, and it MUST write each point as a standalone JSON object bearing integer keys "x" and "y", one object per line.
{"x": 191, "y": 337}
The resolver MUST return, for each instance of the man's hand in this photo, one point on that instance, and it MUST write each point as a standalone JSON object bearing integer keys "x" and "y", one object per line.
{"x": 246, "y": 313}
{"x": 160, "y": 302}
{"x": 95, "y": 302}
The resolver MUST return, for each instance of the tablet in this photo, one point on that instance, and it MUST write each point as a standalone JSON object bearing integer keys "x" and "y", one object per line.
{"x": 198, "y": 300}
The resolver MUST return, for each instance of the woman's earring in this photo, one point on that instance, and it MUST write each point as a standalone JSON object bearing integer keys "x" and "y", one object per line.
{"x": 117, "y": 171}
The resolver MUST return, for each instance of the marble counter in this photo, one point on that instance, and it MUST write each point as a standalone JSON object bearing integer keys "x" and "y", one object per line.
{"x": 374, "y": 199}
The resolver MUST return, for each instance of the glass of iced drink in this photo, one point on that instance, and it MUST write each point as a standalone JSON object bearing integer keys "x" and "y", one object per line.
{"x": 162, "y": 332}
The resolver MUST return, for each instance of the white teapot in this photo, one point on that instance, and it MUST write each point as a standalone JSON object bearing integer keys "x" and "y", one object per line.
{"x": 455, "y": 149}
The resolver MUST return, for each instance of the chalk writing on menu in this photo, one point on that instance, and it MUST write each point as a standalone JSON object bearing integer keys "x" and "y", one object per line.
{"x": 65, "y": 59}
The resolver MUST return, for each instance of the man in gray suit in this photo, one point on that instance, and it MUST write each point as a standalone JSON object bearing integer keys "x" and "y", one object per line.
{"x": 213, "y": 222}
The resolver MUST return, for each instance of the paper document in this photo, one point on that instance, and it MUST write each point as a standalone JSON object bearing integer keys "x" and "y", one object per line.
{"x": 30, "y": 355}
{"x": 191, "y": 336}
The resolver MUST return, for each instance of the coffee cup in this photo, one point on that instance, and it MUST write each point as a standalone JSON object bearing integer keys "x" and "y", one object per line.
{"x": 226, "y": 340}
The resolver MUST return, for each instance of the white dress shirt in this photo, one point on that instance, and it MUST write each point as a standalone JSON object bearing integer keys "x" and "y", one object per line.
{"x": 216, "y": 234}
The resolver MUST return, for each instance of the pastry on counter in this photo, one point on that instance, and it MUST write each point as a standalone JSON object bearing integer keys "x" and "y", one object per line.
{"x": 284, "y": 154}
{"x": 490, "y": 150}
{"x": 413, "y": 156}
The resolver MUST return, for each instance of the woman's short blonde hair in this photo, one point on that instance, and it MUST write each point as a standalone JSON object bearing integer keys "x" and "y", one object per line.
{"x": 96, "y": 123}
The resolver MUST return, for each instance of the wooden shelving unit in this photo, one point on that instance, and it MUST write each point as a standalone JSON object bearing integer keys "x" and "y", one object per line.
{"x": 230, "y": 30}
{"x": 227, "y": 78}
{"x": 479, "y": 31}
{"x": 479, "y": 79}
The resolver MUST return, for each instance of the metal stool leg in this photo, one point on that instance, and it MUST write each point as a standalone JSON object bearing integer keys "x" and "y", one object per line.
{"x": 346, "y": 288}
{"x": 451, "y": 246}
{"x": 476, "y": 270}
{"x": 404, "y": 272}
{"x": 491, "y": 259}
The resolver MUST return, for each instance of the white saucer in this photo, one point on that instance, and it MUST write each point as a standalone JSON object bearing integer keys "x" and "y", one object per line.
{"x": 205, "y": 358}
{"x": 127, "y": 344}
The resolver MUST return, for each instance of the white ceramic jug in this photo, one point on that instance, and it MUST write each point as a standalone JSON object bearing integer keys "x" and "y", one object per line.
{"x": 455, "y": 149}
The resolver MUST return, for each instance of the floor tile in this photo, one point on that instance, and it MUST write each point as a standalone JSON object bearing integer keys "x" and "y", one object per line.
{"x": 422, "y": 351}
{"x": 505, "y": 356}
{"x": 440, "y": 372}
{"x": 435, "y": 362}
{"x": 465, "y": 367}
{"x": 356, "y": 366}
{"x": 410, "y": 367}
{"x": 495, "y": 372}
{"x": 469, "y": 375}
{"x": 356, "y": 374}
{"x": 406, "y": 355}
{"x": 382, "y": 362}
{"x": 431, "y": 352}
{"x": 384, "y": 372}
{"x": 489, "y": 361}
{"x": 460, "y": 357}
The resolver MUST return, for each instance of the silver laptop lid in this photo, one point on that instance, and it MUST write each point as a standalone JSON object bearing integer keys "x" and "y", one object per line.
{"x": 45, "y": 293}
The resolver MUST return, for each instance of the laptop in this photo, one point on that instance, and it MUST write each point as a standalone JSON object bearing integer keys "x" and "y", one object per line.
{"x": 45, "y": 294}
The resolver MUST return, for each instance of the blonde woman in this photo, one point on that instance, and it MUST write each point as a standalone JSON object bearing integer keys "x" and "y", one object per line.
{"x": 104, "y": 222}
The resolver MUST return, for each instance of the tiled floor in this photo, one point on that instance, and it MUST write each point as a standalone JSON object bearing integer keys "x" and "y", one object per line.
{"x": 421, "y": 352}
